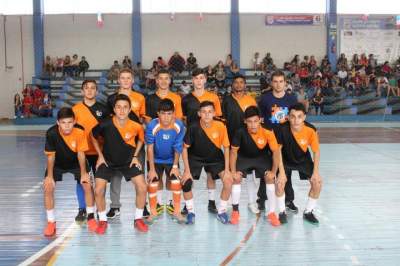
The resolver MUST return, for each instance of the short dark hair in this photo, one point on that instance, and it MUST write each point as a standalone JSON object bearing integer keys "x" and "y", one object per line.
{"x": 65, "y": 112}
{"x": 251, "y": 111}
{"x": 125, "y": 70}
{"x": 166, "y": 105}
{"x": 198, "y": 71}
{"x": 298, "y": 107}
{"x": 239, "y": 76}
{"x": 278, "y": 73}
{"x": 206, "y": 103}
{"x": 86, "y": 81}
{"x": 122, "y": 97}
{"x": 163, "y": 71}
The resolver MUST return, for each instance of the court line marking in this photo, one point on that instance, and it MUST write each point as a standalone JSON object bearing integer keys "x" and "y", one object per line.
{"x": 242, "y": 243}
{"x": 58, "y": 241}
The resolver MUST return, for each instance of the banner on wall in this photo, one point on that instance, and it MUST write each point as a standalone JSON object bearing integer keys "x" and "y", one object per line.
{"x": 279, "y": 20}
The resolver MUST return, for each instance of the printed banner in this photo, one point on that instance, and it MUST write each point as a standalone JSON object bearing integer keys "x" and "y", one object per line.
{"x": 274, "y": 20}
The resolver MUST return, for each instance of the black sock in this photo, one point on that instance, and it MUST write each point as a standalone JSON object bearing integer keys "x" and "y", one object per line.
{"x": 90, "y": 216}
{"x": 235, "y": 207}
{"x": 211, "y": 202}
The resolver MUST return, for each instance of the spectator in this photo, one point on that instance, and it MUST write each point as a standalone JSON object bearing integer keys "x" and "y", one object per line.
{"x": 161, "y": 63}
{"x": 45, "y": 107}
{"x": 127, "y": 62}
{"x": 303, "y": 74}
{"x": 151, "y": 79}
{"x": 67, "y": 69}
{"x": 234, "y": 69}
{"x": 386, "y": 69}
{"x": 383, "y": 83}
{"x": 268, "y": 61}
{"x": 75, "y": 65}
{"x": 210, "y": 75}
{"x": 139, "y": 73}
{"x": 17, "y": 106}
{"x": 228, "y": 61}
{"x": 37, "y": 92}
{"x": 176, "y": 63}
{"x": 355, "y": 62}
{"x": 393, "y": 87}
{"x": 295, "y": 61}
{"x": 372, "y": 61}
{"x": 318, "y": 102}
{"x": 363, "y": 60}
{"x": 220, "y": 76}
{"x": 342, "y": 61}
{"x": 257, "y": 66}
{"x": 312, "y": 63}
{"x": 184, "y": 89}
{"x": 48, "y": 67}
{"x": 59, "y": 66}
{"x": 191, "y": 63}
{"x": 83, "y": 66}
{"x": 27, "y": 105}
{"x": 342, "y": 75}
{"x": 113, "y": 73}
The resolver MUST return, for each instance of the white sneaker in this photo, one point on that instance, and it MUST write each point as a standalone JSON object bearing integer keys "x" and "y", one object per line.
{"x": 254, "y": 208}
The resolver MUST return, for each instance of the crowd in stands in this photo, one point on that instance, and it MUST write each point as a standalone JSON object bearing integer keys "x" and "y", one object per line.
{"x": 34, "y": 102}
{"x": 67, "y": 66}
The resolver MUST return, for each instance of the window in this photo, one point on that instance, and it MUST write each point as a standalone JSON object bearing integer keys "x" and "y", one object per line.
{"x": 87, "y": 6}
{"x": 368, "y": 7}
{"x": 16, "y": 7}
{"x": 185, "y": 6}
{"x": 283, "y": 6}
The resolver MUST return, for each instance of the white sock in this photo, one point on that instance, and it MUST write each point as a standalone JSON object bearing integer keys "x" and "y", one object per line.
{"x": 281, "y": 203}
{"x": 159, "y": 197}
{"x": 222, "y": 206}
{"x": 103, "y": 216}
{"x": 50, "y": 216}
{"x": 211, "y": 194}
{"x": 138, "y": 213}
{"x": 271, "y": 202}
{"x": 311, "y": 203}
{"x": 236, "y": 188}
{"x": 251, "y": 188}
{"x": 169, "y": 192}
{"x": 89, "y": 210}
{"x": 190, "y": 205}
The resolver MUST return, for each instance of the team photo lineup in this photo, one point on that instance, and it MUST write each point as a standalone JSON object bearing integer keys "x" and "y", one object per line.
{"x": 165, "y": 141}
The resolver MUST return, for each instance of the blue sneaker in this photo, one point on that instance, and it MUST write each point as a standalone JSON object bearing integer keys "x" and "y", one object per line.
{"x": 223, "y": 217}
{"x": 190, "y": 218}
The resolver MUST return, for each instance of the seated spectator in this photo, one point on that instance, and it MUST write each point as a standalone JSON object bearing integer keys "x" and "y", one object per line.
{"x": 27, "y": 105}
{"x": 342, "y": 75}
{"x": 67, "y": 69}
{"x": 312, "y": 63}
{"x": 176, "y": 63}
{"x": 363, "y": 60}
{"x": 45, "y": 107}
{"x": 151, "y": 79}
{"x": 210, "y": 75}
{"x": 228, "y": 61}
{"x": 383, "y": 83}
{"x": 303, "y": 74}
{"x": 318, "y": 102}
{"x": 184, "y": 89}
{"x": 234, "y": 69}
{"x": 161, "y": 63}
{"x": 342, "y": 61}
{"x": 75, "y": 65}
{"x": 393, "y": 87}
{"x": 48, "y": 66}
{"x": 220, "y": 76}
{"x": 268, "y": 61}
{"x": 296, "y": 60}
{"x": 27, "y": 91}
{"x": 59, "y": 66}
{"x": 139, "y": 73}
{"x": 296, "y": 81}
{"x": 83, "y": 66}
{"x": 302, "y": 97}
{"x": 37, "y": 92}
{"x": 17, "y": 106}
{"x": 257, "y": 63}
{"x": 386, "y": 69}
{"x": 114, "y": 71}
{"x": 191, "y": 63}
{"x": 372, "y": 61}
{"x": 127, "y": 62}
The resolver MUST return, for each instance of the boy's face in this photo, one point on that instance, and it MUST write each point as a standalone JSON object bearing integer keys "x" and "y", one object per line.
{"x": 89, "y": 91}
{"x": 296, "y": 119}
{"x": 163, "y": 81}
{"x": 206, "y": 114}
{"x": 166, "y": 117}
{"x": 66, "y": 125}
{"x": 278, "y": 83}
{"x": 199, "y": 81}
{"x": 125, "y": 80}
{"x": 253, "y": 124}
{"x": 122, "y": 109}
{"x": 238, "y": 85}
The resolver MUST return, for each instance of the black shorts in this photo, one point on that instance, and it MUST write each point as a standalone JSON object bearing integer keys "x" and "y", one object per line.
{"x": 106, "y": 173}
{"x": 92, "y": 160}
{"x": 259, "y": 164}
{"x": 58, "y": 173}
{"x": 305, "y": 170}
{"x": 162, "y": 168}
{"x": 213, "y": 168}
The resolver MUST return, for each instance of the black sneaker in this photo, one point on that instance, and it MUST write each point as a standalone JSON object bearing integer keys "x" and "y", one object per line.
{"x": 283, "y": 217}
{"x": 113, "y": 212}
{"x": 309, "y": 217}
{"x": 184, "y": 210}
{"x": 261, "y": 204}
{"x": 81, "y": 216}
{"x": 211, "y": 207}
{"x": 170, "y": 208}
{"x": 146, "y": 212}
{"x": 291, "y": 207}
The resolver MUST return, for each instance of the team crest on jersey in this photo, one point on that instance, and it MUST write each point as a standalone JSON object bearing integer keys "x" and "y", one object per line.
{"x": 260, "y": 141}
{"x": 99, "y": 113}
{"x": 73, "y": 144}
{"x": 303, "y": 142}
{"x": 215, "y": 135}
{"x": 134, "y": 104}
{"x": 127, "y": 136}
{"x": 165, "y": 136}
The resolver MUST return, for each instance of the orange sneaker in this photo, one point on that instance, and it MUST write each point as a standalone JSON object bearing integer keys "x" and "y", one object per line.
{"x": 92, "y": 225}
{"x": 141, "y": 226}
{"x": 235, "y": 216}
{"x": 50, "y": 229}
{"x": 101, "y": 227}
{"x": 273, "y": 219}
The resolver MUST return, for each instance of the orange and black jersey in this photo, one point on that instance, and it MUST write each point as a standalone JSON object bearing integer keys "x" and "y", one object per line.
{"x": 233, "y": 110}
{"x": 205, "y": 144}
{"x": 295, "y": 144}
{"x": 119, "y": 142}
{"x": 88, "y": 117}
{"x": 66, "y": 147}
{"x": 254, "y": 145}
{"x": 153, "y": 100}
{"x": 138, "y": 106}
{"x": 191, "y": 105}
